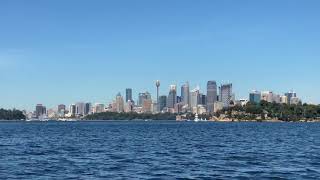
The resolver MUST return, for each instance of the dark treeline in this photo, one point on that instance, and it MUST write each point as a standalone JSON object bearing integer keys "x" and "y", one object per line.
{"x": 11, "y": 114}
{"x": 130, "y": 116}
{"x": 284, "y": 112}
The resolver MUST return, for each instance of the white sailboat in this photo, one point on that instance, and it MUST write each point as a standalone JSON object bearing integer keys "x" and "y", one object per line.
{"x": 196, "y": 118}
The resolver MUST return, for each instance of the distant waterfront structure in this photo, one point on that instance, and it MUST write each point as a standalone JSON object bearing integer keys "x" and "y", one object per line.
{"x": 211, "y": 95}
{"x": 40, "y": 110}
{"x": 162, "y": 102}
{"x": 267, "y": 96}
{"x": 128, "y": 94}
{"x": 295, "y": 100}
{"x": 255, "y": 97}
{"x": 284, "y": 99}
{"x": 185, "y": 94}
{"x": 226, "y": 94}
{"x": 291, "y": 94}
{"x": 98, "y": 108}
{"x": 172, "y": 97}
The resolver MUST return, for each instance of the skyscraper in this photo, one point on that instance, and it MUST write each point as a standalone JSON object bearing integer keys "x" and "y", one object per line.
{"x": 142, "y": 97}
{"x": 185, "y": 94}
{"x": 203, "y": 99}
{"x": 226, "y": 94}
{"x": 87, "y": 109}
{"x": 80, "y": 108}
{"x": 211, "y": 95}
{"x": 72, "y": 110}
{"x": 40, "y": 110}
{"x": 119, "y": 103}
{"x": 147, "y": 106}
{"x": 128, "y": 94}
{"x": 195, "y": 97}
{"x": 172, "y": 97}
{"x": 255, "y": 97}
{"x": 162, "y": 102}
{"x": 61, "y": 108}
{"x": 158, "y": 85}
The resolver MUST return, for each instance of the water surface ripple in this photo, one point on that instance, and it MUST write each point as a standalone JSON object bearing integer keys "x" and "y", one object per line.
{"x": 159, "y": 150}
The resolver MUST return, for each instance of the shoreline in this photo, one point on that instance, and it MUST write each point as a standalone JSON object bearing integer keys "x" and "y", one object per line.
{"x": 150, "y": 120}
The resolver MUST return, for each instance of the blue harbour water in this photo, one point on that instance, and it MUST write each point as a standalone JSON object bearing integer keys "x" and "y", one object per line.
{"x": 159, "y": 150}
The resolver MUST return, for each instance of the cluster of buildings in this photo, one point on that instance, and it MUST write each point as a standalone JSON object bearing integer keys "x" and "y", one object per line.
{"x": 269, "y": 96}
{"x": 188, "y": 101}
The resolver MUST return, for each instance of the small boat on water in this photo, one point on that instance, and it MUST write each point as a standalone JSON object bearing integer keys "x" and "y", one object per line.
{"x": 196, "y": 118}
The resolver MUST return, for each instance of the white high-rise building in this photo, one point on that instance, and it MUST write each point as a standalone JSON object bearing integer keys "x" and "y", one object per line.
{"x": 195, "y": 97}
{"x": 119, "y": 103}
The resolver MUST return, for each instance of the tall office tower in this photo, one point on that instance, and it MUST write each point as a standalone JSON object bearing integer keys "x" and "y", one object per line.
{"x": 226, "y": 94}
{"x": 157, "y": 104}
{"x": 142, "y": 97}
{"x": 291, "y": 94}
{"x": 72, "y": 109}
{"x": 128, "y": 94}
{"x": 61, "y": 108}
{"x": 195, "y": 97}
{"x": 87, "y": 109}
{"x": 255, "y": 97}
{"x": 203, "y": 99}
{"x": 119, "y": 103}
{"x": 80, "y": 108}
{"x": 211, "y": 95}
{"x": 172, "y": 97}
{"x": 162, "y": 102}
{"x": 40, "y": 110}
{"x": 185, "y": 94}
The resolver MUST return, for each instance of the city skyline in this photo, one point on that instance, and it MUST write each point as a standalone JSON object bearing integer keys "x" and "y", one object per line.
{"x": 59, "y": 52}
{"x": 186, "y": 101}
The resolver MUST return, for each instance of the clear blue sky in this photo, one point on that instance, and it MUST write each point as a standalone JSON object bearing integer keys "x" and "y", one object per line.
{"x": 64, "y": 51}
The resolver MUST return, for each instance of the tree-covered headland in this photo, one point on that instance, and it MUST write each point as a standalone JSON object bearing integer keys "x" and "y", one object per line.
{"x": 11, "y": 114}
{"x": 276, "y": 111}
